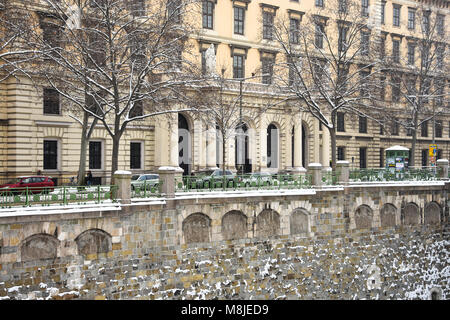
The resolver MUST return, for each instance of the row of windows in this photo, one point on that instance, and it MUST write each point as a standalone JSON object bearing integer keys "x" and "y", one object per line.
{"x": 394, "y": 128}
{"x": 363, "y": 156}
{"x": 51, "y": 154}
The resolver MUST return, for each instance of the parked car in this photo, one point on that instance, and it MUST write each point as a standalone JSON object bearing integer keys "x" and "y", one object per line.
{"x": 147, "y": 180}
{"x": 213, "y": 178}
{"x": 257, "y": 179}
{"x": 35, "y": 184}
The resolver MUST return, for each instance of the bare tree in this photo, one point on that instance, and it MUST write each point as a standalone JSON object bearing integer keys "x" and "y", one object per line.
{"x": 331, "y": 64}
{"x": 15, "y": 53}
{"x": 122, "y": 61}
{"x": 421, "y": 76}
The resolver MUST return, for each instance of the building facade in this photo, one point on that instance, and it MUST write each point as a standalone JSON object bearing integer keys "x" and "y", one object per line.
{"x": 37, "y": 134}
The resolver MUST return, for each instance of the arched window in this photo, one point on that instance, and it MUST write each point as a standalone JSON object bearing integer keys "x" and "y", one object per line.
{"x": 39, "y": 246}
{"x": 299, "y": 221}
{"x": 272, "y": 146}
{"x": 363, "y": 217}
{"x": 387, "y": 215}
{"x": 411, "y": 214}
{"x": 267, "y": 223}
{"x": 184, "y": 145}
{"x": 93, "y": 241}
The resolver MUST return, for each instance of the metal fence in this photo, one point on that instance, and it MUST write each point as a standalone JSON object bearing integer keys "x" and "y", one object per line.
{"x": 46, "y": 196}
{"x": 242, "y": 182}
{"x": 385, "y": 174}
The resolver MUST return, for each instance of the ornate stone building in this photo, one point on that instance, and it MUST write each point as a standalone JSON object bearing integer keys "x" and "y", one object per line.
{"x": 37, "y": 134}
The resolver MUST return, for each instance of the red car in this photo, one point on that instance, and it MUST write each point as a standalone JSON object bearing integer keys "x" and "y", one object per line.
{"x": 35, "y": 184}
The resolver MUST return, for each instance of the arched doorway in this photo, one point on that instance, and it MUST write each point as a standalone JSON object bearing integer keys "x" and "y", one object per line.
{"x": 184, "y": 145}
{"x": 272, "y": 146}
{"x": 242, "y": 160}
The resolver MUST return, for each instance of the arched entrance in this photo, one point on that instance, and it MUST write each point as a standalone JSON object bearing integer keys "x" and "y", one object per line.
{"x": 184, "y": 145}
{"x": 242, "y": 149}
{"x": 272, "y": 146}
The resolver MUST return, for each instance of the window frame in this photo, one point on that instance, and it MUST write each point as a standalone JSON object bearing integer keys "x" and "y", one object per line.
{"x": 396, "y": 15}
{"x": 208, "y": 13}
{"x": 411, "y": 18}
{"x": 238, "y": 23}
{"x": 94, "y": 160}
{"x": 56, "y": 154}
{"x": 268, "y": 19}
{"x": 51, "y": 98}
{"x": 340, "y": 121}
{"x": 238, "y": 69}
{"x": 140, "y": 156}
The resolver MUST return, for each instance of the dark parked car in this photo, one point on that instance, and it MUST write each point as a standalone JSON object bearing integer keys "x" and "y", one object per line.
{"x": 35, "y": 184}
{"x": 213, "y": 178}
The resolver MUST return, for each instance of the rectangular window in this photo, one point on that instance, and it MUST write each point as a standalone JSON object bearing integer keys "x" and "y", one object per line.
{"x": 294, "y": 27}
{"x": 396, "y": 51}
{"x": 208, "y": 14}
{"x": 135, "y": 155}
{"x": 51, "y": 35}
{"x": 267, "y": 70}
{"x": 440, "y": 50}
{"x": 137, "y": 109}
{"x": 340, "y": 122}
{"x": 424, "y": 129}
{"x": 51, "y": 101}
{"x": 396, "y": 83}
{"x": 382, "y": 158}
{"x": 426, "y": 22}
{"x": 341, "y": 153}
{"x": 365, "y": 8}
{"x": 174, "y": 10}
{"x": 95, "y": 154}
{"x": 411, "y": 51}
{"x": 137, "y": 8}
{"x": 383, "y": 7}
{"x": 396, "y": 15}
{"x": 203, "y": 53}
{"x": 409, "y": 126}
{"x": 365, "y": 38}
{"x": 50, "y": 154}
{"x": 411, "y": 18}
{"x": 362, "y": 124}
{"x": 438, "y": 128}
{"x": 239, "y": 16}
{"x": 238, "y": 66}
{"x": 440, "y": 22}
{"x": 382, "y": 87}
{"x": 319, "y": 36}
{"x": 342, "y": 41}
{"x": 343, "y": 6}
{"x": 364, "y": 83}
{"x": 395, "y": 128}
{"x": 424, "y": 157}
{"x": 267, "y": 25}
{"x": 363, "y": 158}
{"x": 319, "y": 3}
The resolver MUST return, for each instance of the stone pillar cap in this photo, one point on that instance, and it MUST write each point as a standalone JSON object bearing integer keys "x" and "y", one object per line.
{"x": 168, "y": 168}
{"x": 118, "y": 172}
{"x": 442, "y": 161}
{"x": 312, "y": 165}
{"x": 342, "y": 162}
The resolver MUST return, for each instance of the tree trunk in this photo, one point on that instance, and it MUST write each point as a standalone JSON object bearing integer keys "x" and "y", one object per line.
{"x": 412, "y": 160}
{"x": 333, "y": 147}
{"x": 115, "y": 156}
{"x": 86, "y": 133}
{"x": 224, "y": 144}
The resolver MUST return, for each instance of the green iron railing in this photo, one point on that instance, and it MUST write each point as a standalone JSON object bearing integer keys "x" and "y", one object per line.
{"x": 146, "y": 190}
{"x": 383, "y": 174}
{"x": 242, "y": 182}
{"x": 46, "y": 196}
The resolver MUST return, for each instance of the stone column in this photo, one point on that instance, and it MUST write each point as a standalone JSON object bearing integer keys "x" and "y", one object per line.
{"x": 442, "y": 166}
{"x": 122, "y": 180}
{"x": 162, "y": 134}
{"x": 343, "y": 170}
{"x": 315, "y": 170}
{"x": 325, "y": 148}
{"x": 173, "y": 151}
{"x": 168, "y": 177}
{"x": 211, "y": 148}
{"x": 200, "y": 150}
{"x": 263, "y": 145}
{"x": 298, "y": 144}
{"x": 316, "y": 141}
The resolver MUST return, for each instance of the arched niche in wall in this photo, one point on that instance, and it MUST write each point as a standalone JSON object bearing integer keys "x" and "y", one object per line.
{"x": 93, "y": 241}
{"x": 39, "y": 246}
{"x": 363, "y": 217}
{"x": 299, "y": 221}
{"x": 234, "y": 225}
{"x": 432, "y": 213}
{"x": 267, "y": 223}
{"x": 387, "y": 215}
{"x": 196, "y": 228}
{"x": 411, "y": 214}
